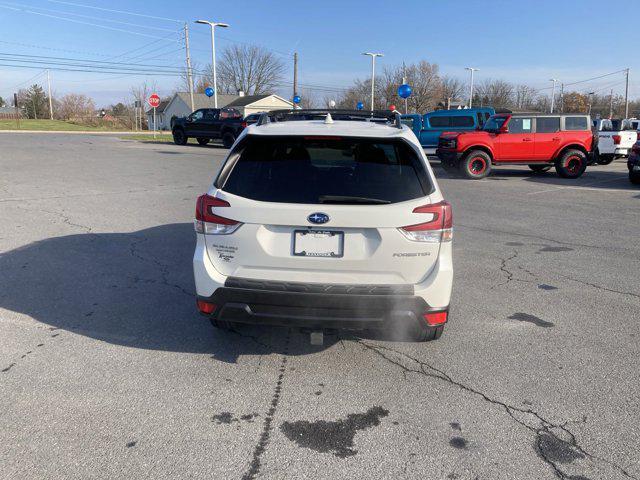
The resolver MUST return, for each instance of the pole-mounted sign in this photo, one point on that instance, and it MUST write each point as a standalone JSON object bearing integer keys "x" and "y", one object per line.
{"x": 154, "y": 101}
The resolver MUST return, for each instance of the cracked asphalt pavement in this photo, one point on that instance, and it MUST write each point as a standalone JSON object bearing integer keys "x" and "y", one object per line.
{"x": 107, "y": 371}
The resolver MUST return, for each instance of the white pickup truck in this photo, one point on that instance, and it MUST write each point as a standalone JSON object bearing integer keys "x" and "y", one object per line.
{"x": 615, "y": 139}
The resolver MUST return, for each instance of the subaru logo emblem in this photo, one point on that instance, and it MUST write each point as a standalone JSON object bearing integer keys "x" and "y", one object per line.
{"x": 318, "y": 218}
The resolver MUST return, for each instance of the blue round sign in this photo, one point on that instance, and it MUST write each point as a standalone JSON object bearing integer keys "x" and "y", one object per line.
{"x": 297, "y": 99}
{"x": 208, "y": 92}
{"x": 404, "y": 91}
{"x": 360, "y": 106}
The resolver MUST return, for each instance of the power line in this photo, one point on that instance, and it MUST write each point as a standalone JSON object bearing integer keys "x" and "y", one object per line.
{"x": 86, "y": 70}
{"x": 62, "y": 12}
{"x": 42, "y": 47}
{"x": 595, "y": 78}
{"x": 60, "y": 60}
{"x": 115, "y": 11}
{"x": 80, "y": 22}
{"x": 26, "y": 81}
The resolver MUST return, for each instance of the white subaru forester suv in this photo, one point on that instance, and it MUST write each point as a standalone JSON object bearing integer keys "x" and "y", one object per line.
{"x": 326, "y": 220}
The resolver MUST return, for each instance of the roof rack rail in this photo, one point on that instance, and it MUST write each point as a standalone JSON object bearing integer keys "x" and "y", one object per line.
{"x": 391, "y": 116}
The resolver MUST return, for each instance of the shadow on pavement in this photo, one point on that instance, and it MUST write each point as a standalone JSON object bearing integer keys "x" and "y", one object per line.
{"x": 595, "y": 177}
{"x": 132, "y": 289}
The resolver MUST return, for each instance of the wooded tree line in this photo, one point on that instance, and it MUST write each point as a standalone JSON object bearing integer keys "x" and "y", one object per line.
{"x": 432, "y": 90}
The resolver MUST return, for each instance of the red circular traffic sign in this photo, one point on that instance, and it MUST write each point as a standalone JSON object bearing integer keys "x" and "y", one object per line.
{"x": 154, "y": 100}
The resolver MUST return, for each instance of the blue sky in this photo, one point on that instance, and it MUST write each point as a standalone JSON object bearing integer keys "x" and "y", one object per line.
{"x": 520, "y": 41}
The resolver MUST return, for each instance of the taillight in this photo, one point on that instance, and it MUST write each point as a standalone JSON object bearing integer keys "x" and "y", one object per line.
{"x": 638, "y": 135}
{"x": 435, "y": 318}
{"x": 616, "y": 139}
{"x": 243, "y": 124}
{"x": 208, "y": 222}
{"x": 636, "y": 148}
{"x": 438, "y": 229}
{"x": 206, "y": 307}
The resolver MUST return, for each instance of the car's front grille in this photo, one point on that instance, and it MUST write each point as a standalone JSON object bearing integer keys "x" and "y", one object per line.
{"x": 325, "y": 288}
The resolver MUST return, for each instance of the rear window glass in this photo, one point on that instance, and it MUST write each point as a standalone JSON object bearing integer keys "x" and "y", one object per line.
{"x": 547, "y": 124}
{"x": 465, "y": 121}
{"x": 324, "y": 170}
{"x": 575, "y": 123}
{"x": 439, "y": 122}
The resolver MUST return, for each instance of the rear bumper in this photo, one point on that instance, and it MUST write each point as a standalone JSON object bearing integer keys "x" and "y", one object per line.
{"x": 317, "y": 306}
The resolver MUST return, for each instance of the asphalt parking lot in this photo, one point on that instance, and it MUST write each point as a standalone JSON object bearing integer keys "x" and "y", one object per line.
{"x": 107, "y": 371}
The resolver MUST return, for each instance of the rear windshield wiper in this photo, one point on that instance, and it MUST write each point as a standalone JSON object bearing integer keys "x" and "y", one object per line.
{"x": 350, "y": 200}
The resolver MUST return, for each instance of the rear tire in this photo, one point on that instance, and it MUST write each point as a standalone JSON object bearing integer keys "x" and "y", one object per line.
{"x": 634, "y": 178}
{"x": 431, "y": 333}
{"x": 606, "y": 159}
{"x": 202, "y": 141}
{"x": 571, "y": 164}
{"x": 179, "y": 137}
{"x": 228, "y": 139}
{"x": 540, "y": 168}
{"x": 475, "y": 165}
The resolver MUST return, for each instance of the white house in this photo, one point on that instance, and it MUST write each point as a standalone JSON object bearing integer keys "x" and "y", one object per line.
{"x": 180, "y": 106}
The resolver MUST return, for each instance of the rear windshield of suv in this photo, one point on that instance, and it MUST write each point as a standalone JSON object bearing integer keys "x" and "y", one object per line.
{"x": 318, "y": 170}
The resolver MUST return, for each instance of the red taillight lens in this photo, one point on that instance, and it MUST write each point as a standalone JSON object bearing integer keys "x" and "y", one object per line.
{"x": 616, "y": 139}
{"x": 206, "y": 307}
{"x": 438, "y": 229}
{"x": 210, "y": 223}
{"x": 638, "y": 135}
{"x": 243, "y": 124}
{"x": 435, "y": 318}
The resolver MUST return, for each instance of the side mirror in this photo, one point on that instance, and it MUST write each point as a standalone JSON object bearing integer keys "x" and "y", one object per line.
{"x": 503, "y": 129}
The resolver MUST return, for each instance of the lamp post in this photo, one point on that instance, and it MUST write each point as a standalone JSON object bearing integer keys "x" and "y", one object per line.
{"x": 213, "y": 26}
{"x": 553, "y": 92}
{"x": 590, "y": 100}
{"x": 373, "y": 72}
{"x": 471, "y": 69}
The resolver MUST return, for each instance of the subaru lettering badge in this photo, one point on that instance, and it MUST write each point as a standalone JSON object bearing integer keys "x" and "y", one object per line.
{"x": 318, "y": 218}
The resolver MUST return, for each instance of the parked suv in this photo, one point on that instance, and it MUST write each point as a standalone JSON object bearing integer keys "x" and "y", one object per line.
{"x": 208, "y": 124}
{"x": 334, "y": 220}
{"x": 540, "y": 141}
{"x": 430, "y": 126}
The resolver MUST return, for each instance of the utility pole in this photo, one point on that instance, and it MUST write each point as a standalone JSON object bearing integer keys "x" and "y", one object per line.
{"x": 611, "y": 104}
{"x": 590, "y": 100}
{"x": 373, "y": 74}
{"x": 553, "y": 93}
{"x": 626, "y": 96}
{"x": 562, "y": 97}
{"x": 50, "y": 101}
{"x": 189, "y": 73}
{"x": 295, "y": 74}
{"x": 471, "y": 69}
{"x": 15, "y": 104}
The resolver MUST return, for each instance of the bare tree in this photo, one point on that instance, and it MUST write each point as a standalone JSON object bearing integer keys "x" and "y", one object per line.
{"x": 142, "y": 92}
{"x": 75, "y": 107}
{"x": 494, "y": 93}
{"x": 525, "y": 97}
{"x": 249, "y": 68}
{"x": 451, "y": 88}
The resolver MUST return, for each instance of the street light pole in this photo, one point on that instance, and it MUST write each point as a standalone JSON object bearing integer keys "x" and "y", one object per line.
{"x": 213, "y": 26}
{"x": 373, "y": 73}
{"x": 471, "y": 69}
{"x": 590, "y": 100}
{"x": 553, "y": 92}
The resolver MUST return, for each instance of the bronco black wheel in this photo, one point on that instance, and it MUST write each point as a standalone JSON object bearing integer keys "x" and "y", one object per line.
{"x": 571, "y": 164}
{"x": 179, "y": 138}
{"x": 475, "y": 165}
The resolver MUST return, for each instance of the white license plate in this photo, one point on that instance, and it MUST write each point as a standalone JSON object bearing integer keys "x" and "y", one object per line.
{"x": 318, "y": 243}
{"x": 636, "y": 168}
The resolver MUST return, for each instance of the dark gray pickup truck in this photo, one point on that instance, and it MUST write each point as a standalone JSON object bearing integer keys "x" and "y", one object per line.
{"x": 208, "y": 124}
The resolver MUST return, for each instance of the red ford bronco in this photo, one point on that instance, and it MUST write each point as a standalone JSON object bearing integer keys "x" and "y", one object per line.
{"x": 537, "y": 140}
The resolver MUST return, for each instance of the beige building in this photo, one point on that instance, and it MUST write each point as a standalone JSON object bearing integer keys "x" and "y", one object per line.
{"x": 180, "y": 106}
